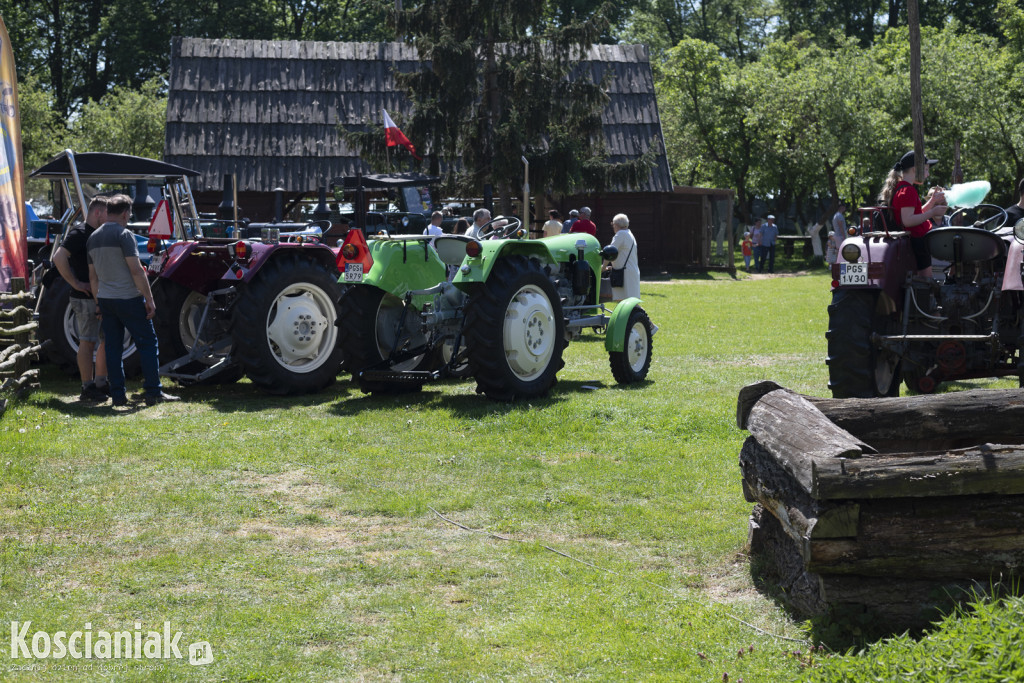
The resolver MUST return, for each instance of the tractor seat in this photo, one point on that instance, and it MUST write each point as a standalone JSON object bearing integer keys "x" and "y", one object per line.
{"x": 976, "y": 244}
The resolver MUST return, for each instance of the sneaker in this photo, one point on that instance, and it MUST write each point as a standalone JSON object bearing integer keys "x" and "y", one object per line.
{"x": 119, "y": 401}
{"x": 92, "y": 394}
{"x": 162, "y": 397}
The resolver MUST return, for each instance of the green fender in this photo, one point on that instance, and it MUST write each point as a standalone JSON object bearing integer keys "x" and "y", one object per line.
{"x": 556, "y": 249}
{"x": 615, "y": 337}
{"x": 402, "y": 266}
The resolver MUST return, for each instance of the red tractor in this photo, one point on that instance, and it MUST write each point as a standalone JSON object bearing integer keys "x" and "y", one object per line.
{"x": 886, "y": 324}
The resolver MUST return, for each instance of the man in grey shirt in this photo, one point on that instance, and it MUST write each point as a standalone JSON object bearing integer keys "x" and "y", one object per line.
{"x": 124, "y": 300}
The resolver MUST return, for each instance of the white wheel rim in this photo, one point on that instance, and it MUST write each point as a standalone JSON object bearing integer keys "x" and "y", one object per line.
{"x": 637, "y": 346}
{"x": 72, "y": 337}
{"x": 529, "y": 332}
{"x": 389, "y": 315}
{"x": 300, "y": 327}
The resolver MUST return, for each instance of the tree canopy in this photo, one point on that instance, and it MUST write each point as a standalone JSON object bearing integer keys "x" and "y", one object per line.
{"x": 795, "y": 102}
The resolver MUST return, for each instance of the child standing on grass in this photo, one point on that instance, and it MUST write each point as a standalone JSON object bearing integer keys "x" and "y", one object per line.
{"x": 748, "y": 250}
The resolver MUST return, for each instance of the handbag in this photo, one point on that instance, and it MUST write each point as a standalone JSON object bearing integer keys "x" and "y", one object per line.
{"x": 618, "y": 275}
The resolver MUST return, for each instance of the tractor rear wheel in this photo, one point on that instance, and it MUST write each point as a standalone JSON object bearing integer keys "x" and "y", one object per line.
{"x": 857, "y": 368}
{"x": 373, "y": 328}
{"x": 283, "y": 327}
{"x": 179, "y": 311}
{"x": 515, "y": 332}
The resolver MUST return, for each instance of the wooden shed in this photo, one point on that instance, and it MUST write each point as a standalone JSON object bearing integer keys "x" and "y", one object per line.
{"x": 686, "y": 229}
{"x": 269, "y": 113}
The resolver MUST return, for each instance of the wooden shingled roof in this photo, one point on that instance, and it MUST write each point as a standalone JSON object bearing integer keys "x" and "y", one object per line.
{"x": 269, "y": 111}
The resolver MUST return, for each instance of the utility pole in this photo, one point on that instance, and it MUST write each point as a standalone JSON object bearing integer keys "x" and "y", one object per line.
{"x": 916, "y": 116}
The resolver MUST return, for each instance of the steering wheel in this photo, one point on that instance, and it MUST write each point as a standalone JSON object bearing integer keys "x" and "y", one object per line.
{"x": 989, "y": 223}
{"x": 491, "y": 231}
{"x": 510, "y": 229}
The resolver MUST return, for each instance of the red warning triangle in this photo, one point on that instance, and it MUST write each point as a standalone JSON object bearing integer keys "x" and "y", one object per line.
{"x": 160, "y": 226}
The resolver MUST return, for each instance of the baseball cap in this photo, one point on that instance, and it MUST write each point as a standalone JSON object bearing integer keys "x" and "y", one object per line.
{"x": 771, "y": 216}
{"x": 907, "y": 161}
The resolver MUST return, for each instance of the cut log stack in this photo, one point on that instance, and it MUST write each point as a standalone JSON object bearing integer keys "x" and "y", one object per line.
{"x": 16, "y": 349}
{"x": 894, "y": 506}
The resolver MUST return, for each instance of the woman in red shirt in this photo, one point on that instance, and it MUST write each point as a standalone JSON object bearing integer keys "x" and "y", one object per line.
{"x": 899, "y": 193}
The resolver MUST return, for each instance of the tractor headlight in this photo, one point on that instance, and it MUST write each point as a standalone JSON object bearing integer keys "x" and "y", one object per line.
{"x": 1018, "y": 230}
{"x": 851, "y": 252}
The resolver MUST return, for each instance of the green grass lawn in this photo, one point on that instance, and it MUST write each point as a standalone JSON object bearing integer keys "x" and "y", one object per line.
{"x": 598, "y": 533}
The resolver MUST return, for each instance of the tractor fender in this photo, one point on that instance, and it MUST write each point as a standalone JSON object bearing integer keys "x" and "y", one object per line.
{"x": 550, "y": 250}
{"x": 402, "y": 266}
{"x": 263, "y": 254}
{"x": 615, "y": 337}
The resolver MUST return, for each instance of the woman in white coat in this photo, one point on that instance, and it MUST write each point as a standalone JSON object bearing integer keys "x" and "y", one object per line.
{"x": 627, "y": 259}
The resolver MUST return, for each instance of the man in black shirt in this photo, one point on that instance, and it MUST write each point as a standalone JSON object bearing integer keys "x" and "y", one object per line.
{"x": 1016, "y": 212}
{"x": 73, "y": 264}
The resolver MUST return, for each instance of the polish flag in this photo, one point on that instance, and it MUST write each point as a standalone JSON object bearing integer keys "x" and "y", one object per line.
{"x": 396, "y": 137}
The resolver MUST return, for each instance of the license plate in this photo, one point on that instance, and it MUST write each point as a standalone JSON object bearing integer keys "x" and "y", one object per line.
{"x": 353, "y": 272}
{"x": 156, "y": 262}
{"x": 853, "y": 273}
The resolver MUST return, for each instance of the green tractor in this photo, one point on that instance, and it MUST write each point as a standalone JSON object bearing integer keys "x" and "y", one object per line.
{"x": 500, "y": 309}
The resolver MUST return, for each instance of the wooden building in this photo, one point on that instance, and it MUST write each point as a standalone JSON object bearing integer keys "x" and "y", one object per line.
{"x": 269, "y": 112}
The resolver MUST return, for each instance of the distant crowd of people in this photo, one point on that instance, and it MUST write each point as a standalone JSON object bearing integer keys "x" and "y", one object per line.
{"x": 579, "y": 221}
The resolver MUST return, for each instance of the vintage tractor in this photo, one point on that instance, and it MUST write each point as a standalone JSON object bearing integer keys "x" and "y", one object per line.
{"x": 76, "y": 178}
{"x": 886, "y": 324}
{"x": 262, "y": 303}
{"x": 500, "y": 309}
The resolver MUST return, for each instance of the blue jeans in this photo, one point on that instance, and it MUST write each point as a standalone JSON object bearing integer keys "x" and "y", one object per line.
{"x": 130, "y": 314}
{"x": 769, "y": 256}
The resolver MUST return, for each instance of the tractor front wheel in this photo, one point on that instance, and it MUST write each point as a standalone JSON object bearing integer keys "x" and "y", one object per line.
{"x": 857, "y": 368}
{"x": 633, "y": 362}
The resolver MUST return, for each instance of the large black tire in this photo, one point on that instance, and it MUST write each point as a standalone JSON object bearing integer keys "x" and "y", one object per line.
{"x": 57, "y": 325}
{"x": 368, "y": 334}
{"x": 283, "y": 326}
{"x": 515, "y": 332}
{"x": 634, "y": 361}
{"x": 856, "y": 367}
{"x": 179, "y": 311}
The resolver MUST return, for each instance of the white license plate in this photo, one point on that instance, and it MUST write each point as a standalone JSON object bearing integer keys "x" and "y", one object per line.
{"x": 353, "y": 272}
{"x": 156, "y": 262}
{"x": 853, "y": 273}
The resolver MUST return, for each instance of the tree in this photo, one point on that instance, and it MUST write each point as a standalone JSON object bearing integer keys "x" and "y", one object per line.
{"x": 497, "y": 84}
{"x": 125, "y": 121}
{"x": 738, "y": 28}
{"x": 704, "y": 104}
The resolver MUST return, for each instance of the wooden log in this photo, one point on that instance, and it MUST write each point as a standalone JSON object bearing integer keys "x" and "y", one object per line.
{"x": 931, "y": 422}
{"x": 10, "y": 315}
{"x": 23, "y": 383}
{"x": 12, "y": 361}
{"x": 22, "y": 318}
{"x": 10, "y": 298}
{"x": 800, "y": 437}
{"x": 19, "y": 334}
{"x": 893, "y": 604}
{"x": 942, "y": 538}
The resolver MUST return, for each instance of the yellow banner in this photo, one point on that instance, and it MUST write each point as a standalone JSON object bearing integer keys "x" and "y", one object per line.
{"x": 13, "y": 226}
